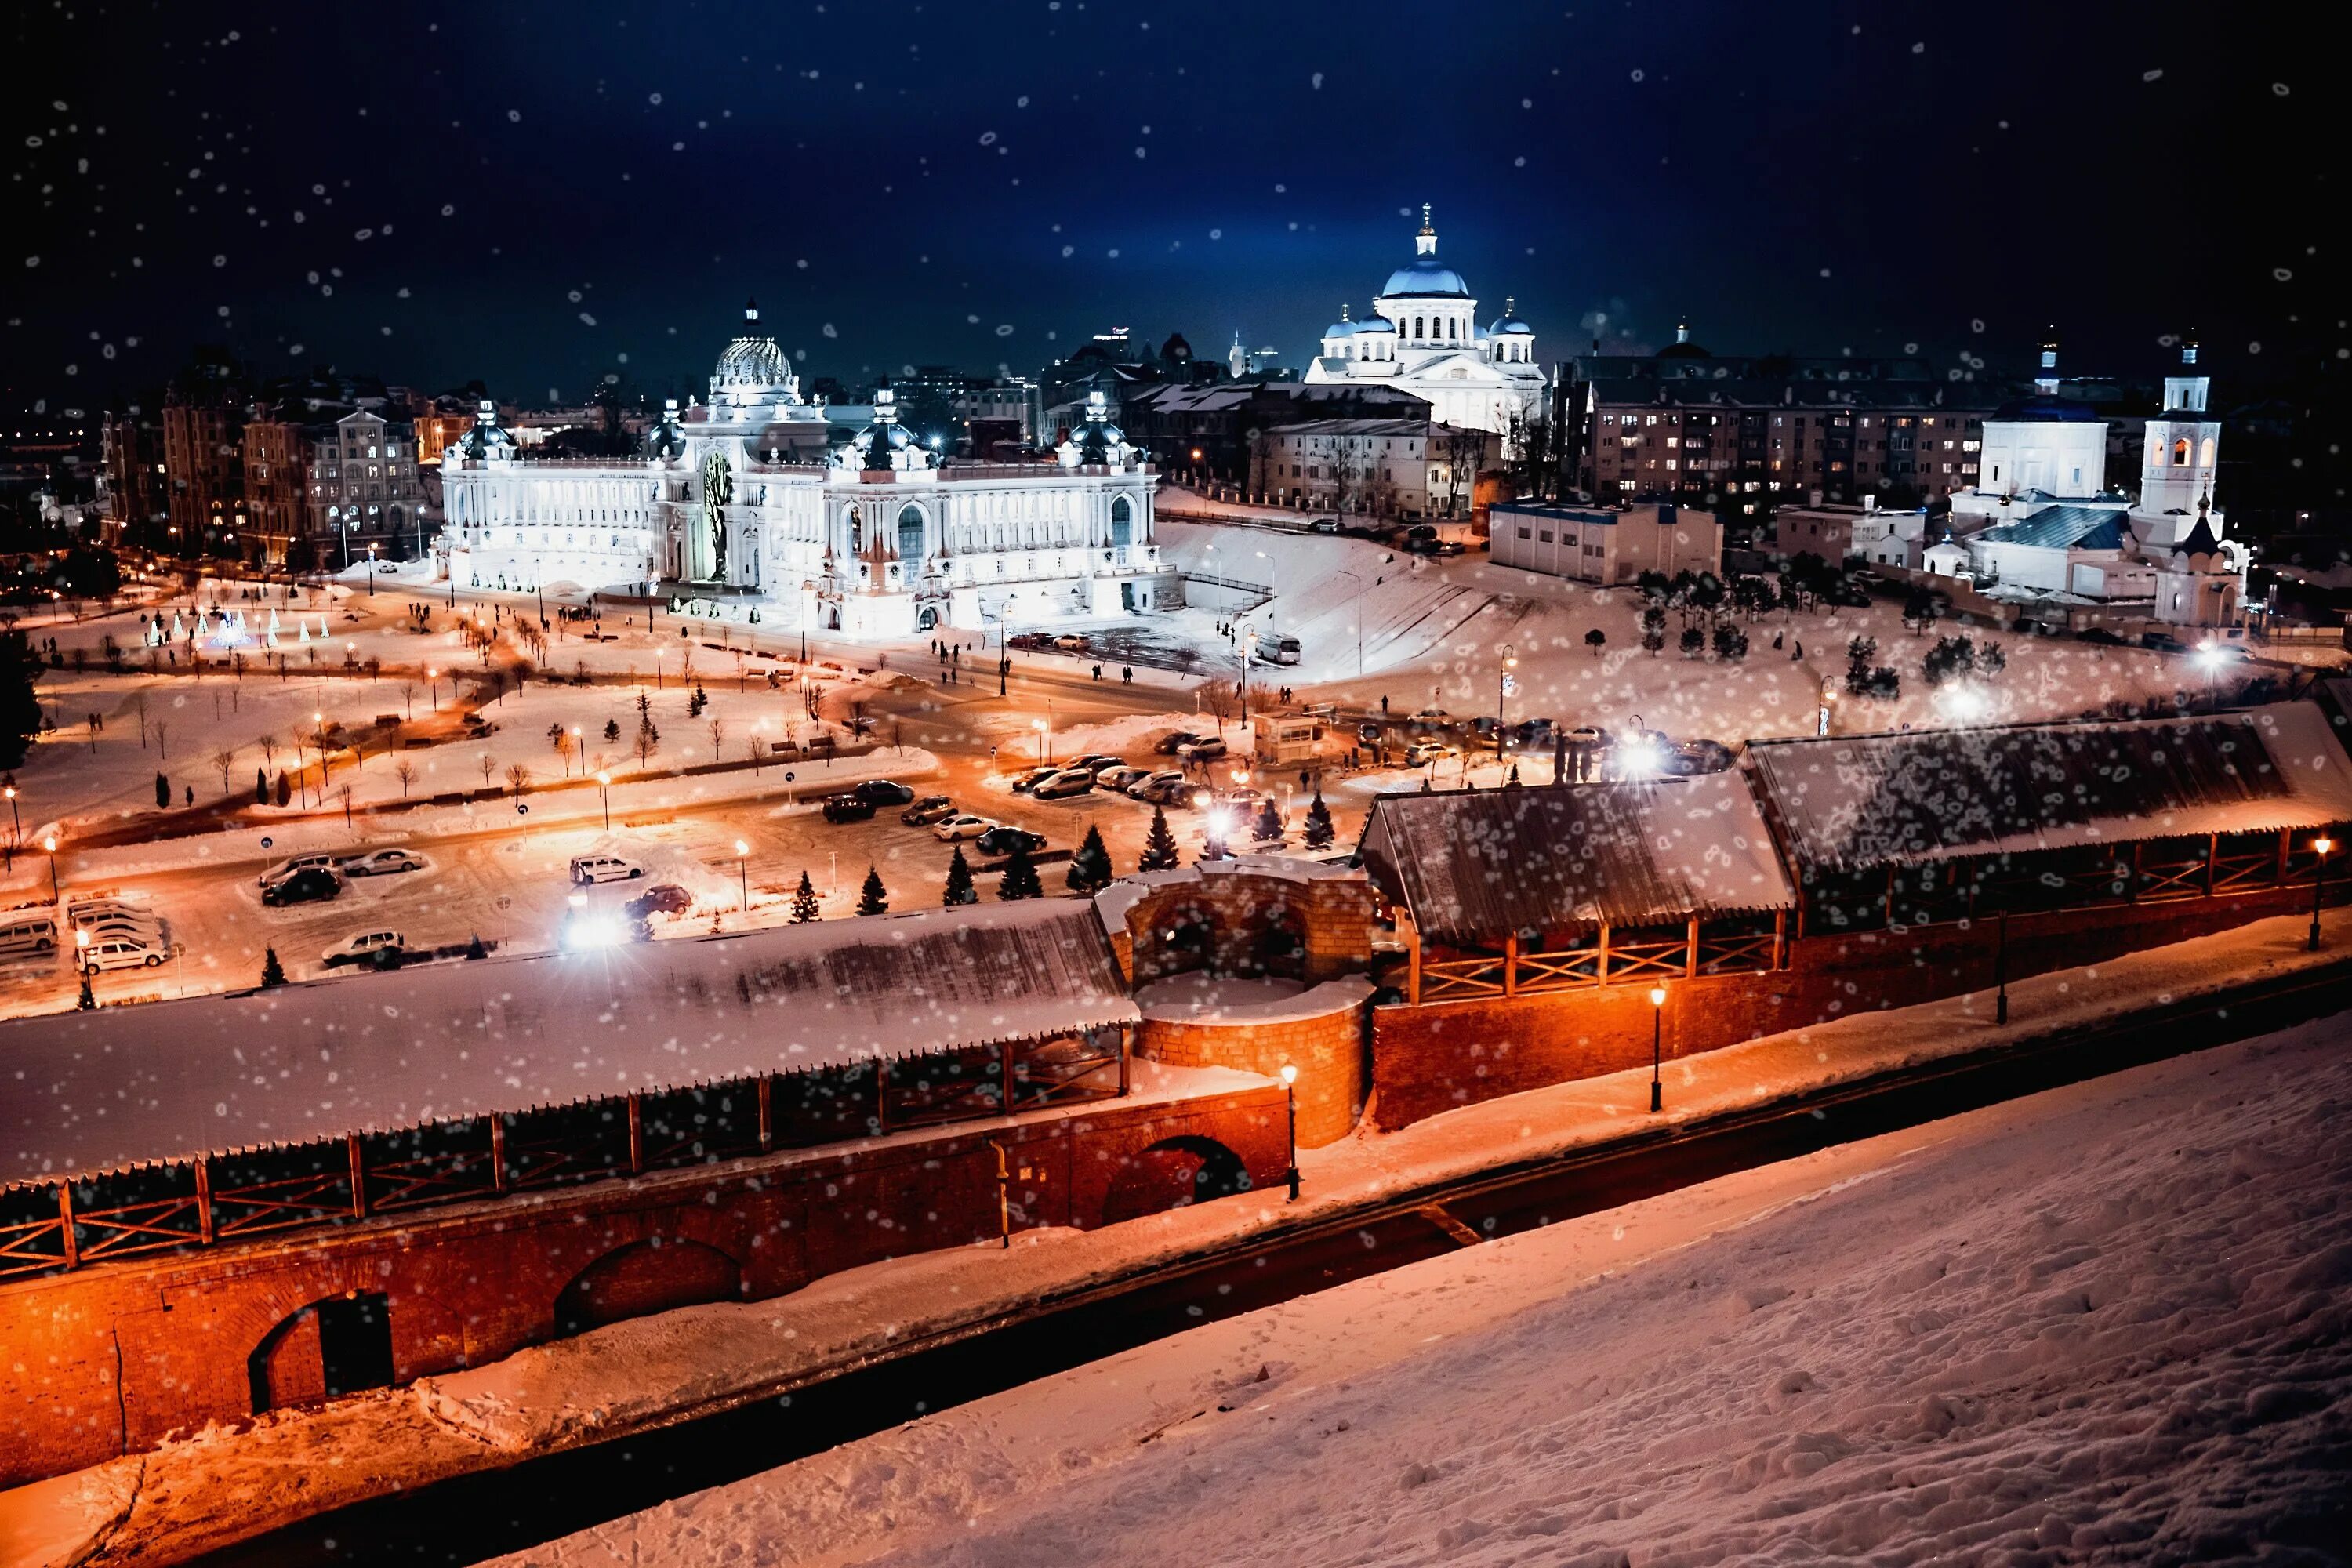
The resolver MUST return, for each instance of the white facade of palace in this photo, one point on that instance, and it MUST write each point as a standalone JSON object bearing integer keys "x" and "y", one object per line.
{"x": 1423, "y": 337}
{"x": 738, "y": 501}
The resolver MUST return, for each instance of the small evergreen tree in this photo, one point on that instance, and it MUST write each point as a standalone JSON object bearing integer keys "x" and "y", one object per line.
{"x": 163, "y": 792}
{"x": 873, "y": 899}
{"x": 1859, "y": 653}
{"x": 273, "y": 974}
{"x": 804, "y": 907}
{"x": 960, "y": 888}
{"x": 85, "y": 1002}
{"x": 1159, "y": 844}
{"x": 612, "y": 731}
{"x": 1319, "y": 832}
{"x": 1653, "y": 630}
{"x": 1268, "y": 826}
{"x": 1020, "y": 879}
{"x": 260, "y": 788}
{"x": 1090, "y": 868}
{"x": 476, "y": 948}
{"x": 698, "y": 703}
{"x": 1595, "y": 638}
{"x": 1991, "y": 660}
{"x": 285, "y": 788}
{"x": 1694, "y": 641}
{"x": 1730, "y": 642}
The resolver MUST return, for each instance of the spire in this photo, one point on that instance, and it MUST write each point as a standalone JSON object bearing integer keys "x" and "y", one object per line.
{"x": 2045, "y": 380}
{"x": 1682, "y": 330}
{"x": 2199, "y": 540}
{"x": 2189, "y": 348}
{"x": 1425, "y": 242}
{"x": 1510, "y": 302}
{"x": 1343, "y": 310}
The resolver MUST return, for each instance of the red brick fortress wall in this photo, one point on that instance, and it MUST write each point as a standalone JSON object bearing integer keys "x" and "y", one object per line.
{"x": 1320, "y": 1032}
{"x": 111, "y": 1357}
{"x": 1438, "y": 1056}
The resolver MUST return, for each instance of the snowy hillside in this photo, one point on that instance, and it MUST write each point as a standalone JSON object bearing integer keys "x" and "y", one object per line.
{"x": 2106, "y": 1322}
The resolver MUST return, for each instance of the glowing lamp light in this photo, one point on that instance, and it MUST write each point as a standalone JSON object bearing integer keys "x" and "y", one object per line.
{"x": 603, "y": 778}
{"x": 1289, "y": 1073}
{"x": 50, "y": 844}
{"x": 741, "y": 848}
{"x": 2323, "y": 845}
{"x": 1657, "y": 996}
{"x": 81, "y": 939}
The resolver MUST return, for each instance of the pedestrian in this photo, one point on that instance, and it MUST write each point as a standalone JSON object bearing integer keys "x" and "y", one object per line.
{"x": 1776, "y": 641}
{"x": 1098, "y": 672}
{"x": 1127, "y": 674}
{"x": 1799, "y": 654}
{"x": 1384, "y": 706}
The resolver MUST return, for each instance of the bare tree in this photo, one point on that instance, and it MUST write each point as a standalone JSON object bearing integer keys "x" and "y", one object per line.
{"x": 1218, "y": 699}
{"x": 408, "y": 696}
{"x": 406, "y": 772}
{"x": 160, "y": 728}
{"x": 344, "y": 794}
{"x": 516, "y": 777}
{"x": 718, "y": 734}
{"x": 268, "y": 744}
{"x": 224, "y": 761}
{"x": 488, "y": 767}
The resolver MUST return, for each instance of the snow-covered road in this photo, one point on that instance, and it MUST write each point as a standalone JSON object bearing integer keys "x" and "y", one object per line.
{"x": 2108, "y": 1322}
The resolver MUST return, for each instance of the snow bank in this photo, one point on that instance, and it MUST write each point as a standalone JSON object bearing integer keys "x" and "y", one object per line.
{"x": 2106, "y": 1322}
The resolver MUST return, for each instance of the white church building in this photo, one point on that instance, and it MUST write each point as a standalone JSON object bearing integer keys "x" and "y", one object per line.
{"x": 1423, "y": 337}
{"x": 739, "y": 505}
{"x": 2039, "y": 521}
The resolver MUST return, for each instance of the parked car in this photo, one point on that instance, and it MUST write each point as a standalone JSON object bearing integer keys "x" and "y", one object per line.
{"x": 1068, "y": 781}
{"x": 310, "y": 885}
{"x": 1421, "y": 752}
{"x": 1096, "y": 762}
{"x": 383, "y": 948}
{"x": 2100, "y": 635}
{"x": 883, "y": 792}
{"x": 1169, "y": 745}
{"x": 2163, "y": 642}
{"x": 1447, "y": 547}
{"x": 661, "y": 899}
{"x": 589, "y": 870}
{"x": 1432, "y": 718}
{"x": 1706, "y": 756}
{"x": 1029, "y": 779}
{"x": 22, "y": 932}
{"x": 1202, "y": 751}
{"x": 90, "y": 914}
{"x": 1370, "y": 734}
{"x": 962, "y": 825}
{"x": 1141, "y": 789}
{"x": 1324, "y": 525}
{"x": 1178, "y": 791}
{"x": 381, "y": 862}
{"x": 1241, "y": 801}
{"x": 1070, "y": 642}
{"x": 118, "y": 953}
{"x": 144, "y": 929}
{"x": 285, "y": 868}
{"x": 929, "y": 809}
{"x": 847, "y": 808}
{"x": 1004, "y": 841}
{"x": 1119, "y": 777}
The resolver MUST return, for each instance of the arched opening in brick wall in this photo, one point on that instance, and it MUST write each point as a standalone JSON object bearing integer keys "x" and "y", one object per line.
{"x": 1186, "y": 939}
{"x": 645, "y": 1277}
{"x": 337, "y": 1346}
{"x": 1172, "y": 1173}
{"x": 1279, "y": 949}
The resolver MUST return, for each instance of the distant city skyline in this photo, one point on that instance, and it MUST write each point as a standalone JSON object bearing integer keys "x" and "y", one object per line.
{"x": 482, "y": 196}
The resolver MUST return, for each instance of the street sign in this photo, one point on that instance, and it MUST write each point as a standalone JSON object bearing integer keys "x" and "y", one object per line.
{"x": 522, "y": 810}
{"x": 788, "y": 775}
{"x": 268, "y": 842}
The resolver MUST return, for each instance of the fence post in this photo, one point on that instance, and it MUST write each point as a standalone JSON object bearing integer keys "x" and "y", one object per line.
{"x": 497, "y": 1153}
{"x": 65, "y": 1213}
{"x": 1511, "y": 964}
{"x": 637, "y": 1133}
{"x": 1690, "y": 952}
{"x": 767, "y": 1113}
{"x": 359, "y": 1175}
{"x": 204, "y": 1200}
{"x": 2212, "y": 853}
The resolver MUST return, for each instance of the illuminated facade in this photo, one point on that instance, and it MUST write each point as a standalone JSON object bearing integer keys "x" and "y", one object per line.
{"x": 742, "y": 501}
{"x": 1423, "y": 337}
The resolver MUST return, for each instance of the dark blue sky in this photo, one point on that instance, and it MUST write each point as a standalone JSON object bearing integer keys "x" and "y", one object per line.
{"x": 527, "y": 193}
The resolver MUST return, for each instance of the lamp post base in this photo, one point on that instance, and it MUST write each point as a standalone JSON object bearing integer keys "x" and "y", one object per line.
{"x": 1657, "y": 1096}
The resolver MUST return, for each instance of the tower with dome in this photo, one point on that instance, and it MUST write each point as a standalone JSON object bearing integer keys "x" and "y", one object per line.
{"x": 1423, "y": 337}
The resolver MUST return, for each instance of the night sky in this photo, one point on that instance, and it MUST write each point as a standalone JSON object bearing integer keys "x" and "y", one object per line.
{"x": 544, "y": 195}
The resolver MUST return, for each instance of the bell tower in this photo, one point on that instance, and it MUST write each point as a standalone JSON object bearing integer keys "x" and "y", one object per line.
{"x": 2177, "y": 469}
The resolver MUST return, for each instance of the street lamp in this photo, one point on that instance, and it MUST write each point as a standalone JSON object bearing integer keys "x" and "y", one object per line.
{"x": 604, "y": 789}
{"x": 1290, "y": 1104}
{"x": 1043, "y": 734}
{"x": 743, "y": 871}
{"x": 1358, "y": 582}
{"x": 50, "y": 844}
{"x": 371, "y": 570}
{"x": 1657, "y": 1026}
{"x": 2320, "y": 846}
{"x": 433, "y": 689}
{"x": 580, "y": 746}
{"x": 1502, "y": 690}
{"x": 16, "y": 832}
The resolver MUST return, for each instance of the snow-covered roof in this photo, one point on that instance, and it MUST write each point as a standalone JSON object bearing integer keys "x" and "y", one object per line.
{"x": 1474, "y": 866}
{"x": 1931, "y": 795}
{"x": 167, "y": 1081}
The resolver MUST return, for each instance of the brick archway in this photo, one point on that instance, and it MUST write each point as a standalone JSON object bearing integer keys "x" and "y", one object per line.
{"x": 336, "y": 1345}
{"x": 642, "y": 1278}
{"x": 1172, "y": 1173}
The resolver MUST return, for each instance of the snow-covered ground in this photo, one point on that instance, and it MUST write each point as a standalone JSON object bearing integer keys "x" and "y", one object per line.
{"x": 1431, "y": 634}
{"x": 2108, "y": 1323}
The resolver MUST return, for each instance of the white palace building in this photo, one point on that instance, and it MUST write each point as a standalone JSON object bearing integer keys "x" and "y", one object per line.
{"x": 739, "y": 505}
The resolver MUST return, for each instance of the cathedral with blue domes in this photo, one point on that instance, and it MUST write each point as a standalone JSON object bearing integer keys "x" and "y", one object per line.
{"x": 1423, "y": 337}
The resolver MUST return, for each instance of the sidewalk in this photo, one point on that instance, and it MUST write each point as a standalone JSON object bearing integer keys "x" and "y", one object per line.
{"x": 165, "y": 1507}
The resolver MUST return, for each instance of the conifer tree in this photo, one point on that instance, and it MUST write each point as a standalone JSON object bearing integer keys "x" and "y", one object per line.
{"x": 273, "y": 974}
{"x": 960, "y": 890}
{"x": 804, "y": 908}
{"x": 1159, "y": 844}
{"x": 1268, "y": 826}
{"x": 1020, "y": 879}
{"x": 873, "y": 899}
{"x": 1090, "y": 867}
{"x": 1319, "y": 832}
{"x": 260, "y": 788}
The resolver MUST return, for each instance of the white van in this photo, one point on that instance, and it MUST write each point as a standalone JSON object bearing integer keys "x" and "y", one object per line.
{"x": 587, "y": 868}
{"x": 23, "y": 933}
{"x": 118, "y": 953}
